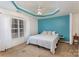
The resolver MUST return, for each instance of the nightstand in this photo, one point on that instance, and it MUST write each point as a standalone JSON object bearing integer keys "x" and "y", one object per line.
{"x": 76, "y": 39}
{"x": 61, "y": 38}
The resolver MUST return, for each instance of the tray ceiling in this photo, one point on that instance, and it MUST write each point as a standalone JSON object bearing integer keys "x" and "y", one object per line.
{"x": 49, "y": 6}
{"x": 66, "y": 7}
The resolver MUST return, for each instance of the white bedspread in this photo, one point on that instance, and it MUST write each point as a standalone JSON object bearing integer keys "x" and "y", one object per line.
{"x": 47, "y": 41}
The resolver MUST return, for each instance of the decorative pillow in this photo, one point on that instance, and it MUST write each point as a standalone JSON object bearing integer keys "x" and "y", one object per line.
{"x": 49, "y": 33}
{"x": 44, "y": 32}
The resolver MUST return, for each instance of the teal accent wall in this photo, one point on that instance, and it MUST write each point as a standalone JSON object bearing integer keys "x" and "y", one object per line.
{"x": 59, "y": 24}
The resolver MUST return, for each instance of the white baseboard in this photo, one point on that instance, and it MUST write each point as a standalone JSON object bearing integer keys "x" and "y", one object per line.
{"x": 66, "y": 41}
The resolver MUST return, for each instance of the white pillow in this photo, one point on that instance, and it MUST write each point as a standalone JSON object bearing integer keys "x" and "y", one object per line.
{"x": 57, "y": 34}
{"x": 44, "y": 32}
{"x": 49, "y": 33}
{"x": 53, "y": 33}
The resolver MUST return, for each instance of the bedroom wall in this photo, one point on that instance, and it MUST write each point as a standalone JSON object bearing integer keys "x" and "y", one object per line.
{"x": 31, "y": 23}
{"x": 33, "y": 26}
{"x": 75, "y": 22}
{"x": 59, "y": 24}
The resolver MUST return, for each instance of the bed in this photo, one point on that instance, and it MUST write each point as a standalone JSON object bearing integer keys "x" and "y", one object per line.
{"x": 45, "y": 40}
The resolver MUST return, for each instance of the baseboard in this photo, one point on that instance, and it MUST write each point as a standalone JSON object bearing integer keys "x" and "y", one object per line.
{"x": 66, "y": 41}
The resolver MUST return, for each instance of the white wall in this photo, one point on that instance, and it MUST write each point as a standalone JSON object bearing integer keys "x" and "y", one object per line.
{"x": 30, "y": 21}
{"x": 33, "y": 26}
{"x": 75, "y": 26}
{"x": 30, "y": 24}
{"x": 71, "y": 38}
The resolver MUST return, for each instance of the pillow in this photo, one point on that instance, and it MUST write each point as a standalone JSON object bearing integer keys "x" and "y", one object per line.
{"x": 44, "y": 32}
{"x": 53, "y": 33}
{"x": 57, "y": 34}
{"x": 49, "y": 33}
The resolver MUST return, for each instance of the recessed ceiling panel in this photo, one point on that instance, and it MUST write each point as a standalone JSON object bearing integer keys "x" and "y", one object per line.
{"x": 50, "y": 6}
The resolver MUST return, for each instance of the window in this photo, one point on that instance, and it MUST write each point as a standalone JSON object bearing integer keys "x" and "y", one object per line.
{"x": 21, "y": 26}
{"x": 17, "y": 28}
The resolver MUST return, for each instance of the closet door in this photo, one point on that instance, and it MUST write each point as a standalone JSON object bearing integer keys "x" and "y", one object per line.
{"x": 5, "y": 32}
{"x": 2, "y": 32}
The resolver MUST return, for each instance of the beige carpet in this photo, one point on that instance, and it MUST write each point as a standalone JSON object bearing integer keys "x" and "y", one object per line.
{"x": 24, "y": 50}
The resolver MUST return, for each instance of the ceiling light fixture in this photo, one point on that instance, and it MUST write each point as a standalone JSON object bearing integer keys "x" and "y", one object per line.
{"x": 39, "y": 11}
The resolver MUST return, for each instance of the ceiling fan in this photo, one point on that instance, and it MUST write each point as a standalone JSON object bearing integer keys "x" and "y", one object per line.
{"x": 39, "y": 11}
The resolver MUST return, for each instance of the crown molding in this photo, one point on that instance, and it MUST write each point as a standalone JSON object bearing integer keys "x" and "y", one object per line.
{"x": 33, "y": 14}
